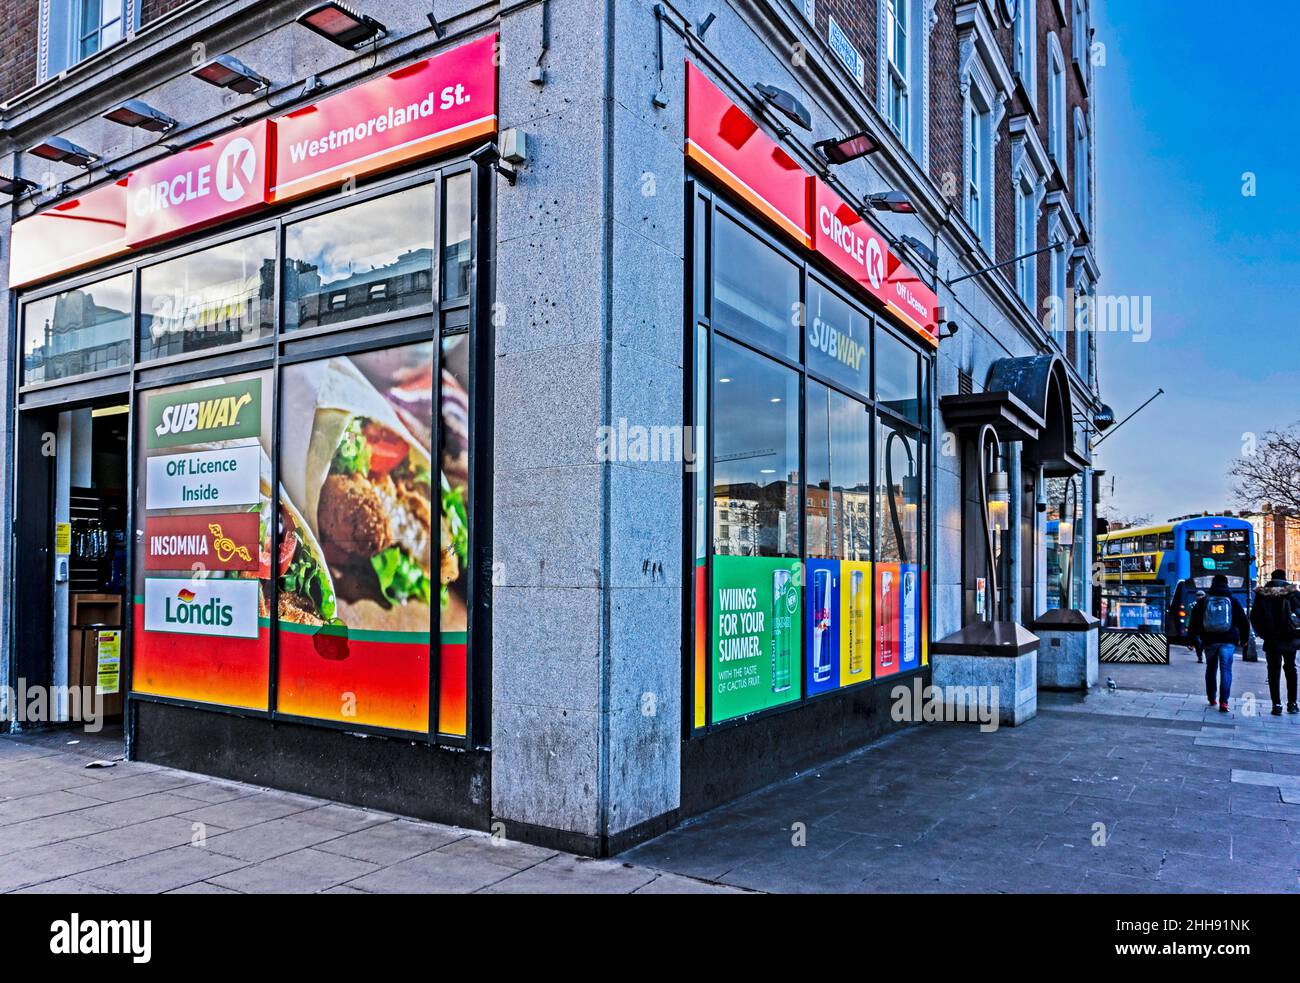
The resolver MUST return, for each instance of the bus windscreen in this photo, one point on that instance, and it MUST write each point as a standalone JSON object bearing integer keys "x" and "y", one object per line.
{"x": 1215, "y": 551}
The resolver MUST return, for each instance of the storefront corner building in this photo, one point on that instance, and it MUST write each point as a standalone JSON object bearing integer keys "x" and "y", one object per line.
{"x": 521, "y": 424}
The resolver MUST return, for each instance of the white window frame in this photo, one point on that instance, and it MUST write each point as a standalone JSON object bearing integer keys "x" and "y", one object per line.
{"x": 985, "y": 83}
{"x": 1079, "y": 27}
{"x": 60, "y": 32}
{"x": 908, "y": 75}
{"x": 1025, "y": 53}
{"x": 1058, "y": 260}
{"x": 898, "y": 64}
{"x": 1056, "y": 102}
{"x": 1026, "y": 240}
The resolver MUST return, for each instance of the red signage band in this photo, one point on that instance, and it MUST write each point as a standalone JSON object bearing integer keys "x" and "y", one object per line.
{"x": 416, "y": 111}
{"x": 212, "y": 182}
{"x": 207, "y": 542}
{"x": 846, "y": 239}
{"x": 724, "y": 141}
{"x": 78, "y": 232}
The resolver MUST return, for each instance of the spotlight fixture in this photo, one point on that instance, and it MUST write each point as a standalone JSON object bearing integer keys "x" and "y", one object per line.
{"x": 59, "y": 149}
{"x": 922, "y": 250}
{"x": 844, "y": 149}
{"x": 228, "y": 72}
{"x": 343, "y": 26}
{"x": 16, "y": 187}
{"x": 786, "y": 104}
{"x": 489, "y": 155}
{"x": 141, "y": 115}
{"x": 891, "y": 201}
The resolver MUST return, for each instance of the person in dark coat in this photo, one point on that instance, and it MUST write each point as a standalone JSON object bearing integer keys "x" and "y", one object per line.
{"x": 1275, "y": 617}
{"x": 1220, "y": 642}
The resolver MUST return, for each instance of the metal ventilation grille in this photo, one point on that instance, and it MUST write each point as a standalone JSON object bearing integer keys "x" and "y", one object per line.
{"x": 965, "y": 384}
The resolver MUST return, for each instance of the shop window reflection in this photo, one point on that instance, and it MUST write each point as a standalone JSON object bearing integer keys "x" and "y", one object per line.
{"x": 219, "y": 296}
{"x": 78, "y": 331}
{"x": 755, "y": 455}
{"x": 837, "y": 496}
{"x": 755, "y": 290}
{"x": 899, "y": 494}
{"x": 456, "y": 242}
{"x": 897, "y": 376}
{"x": 334, "y": 262}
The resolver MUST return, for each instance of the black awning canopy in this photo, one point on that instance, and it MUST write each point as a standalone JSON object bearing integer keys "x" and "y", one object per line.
{"x": 1027, "y": 400}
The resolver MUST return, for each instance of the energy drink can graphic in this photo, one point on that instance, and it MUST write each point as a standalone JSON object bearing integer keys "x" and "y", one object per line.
{"x": 910, "y": 650}
{"x": 781, "y": 631}
{"x": 821, "y": 614}
{"x": 888, "y": 618}
{"x": 857, "y": 622}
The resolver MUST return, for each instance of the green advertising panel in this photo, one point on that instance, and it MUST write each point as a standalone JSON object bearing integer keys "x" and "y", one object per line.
{"x": 209, "y": 413}
{"x": 757, "y": 633}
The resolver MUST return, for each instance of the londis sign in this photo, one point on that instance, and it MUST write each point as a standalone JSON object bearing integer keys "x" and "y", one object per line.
{"x": 202, "y": 606}
{"x": 200, "y": 416}
{"x": 209, "y": 183}
{"x": 418, "y": 110}
{"x": 844, "y": 237}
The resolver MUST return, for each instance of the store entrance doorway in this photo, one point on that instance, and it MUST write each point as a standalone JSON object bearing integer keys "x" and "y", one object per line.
{"x": 70, "y": 564}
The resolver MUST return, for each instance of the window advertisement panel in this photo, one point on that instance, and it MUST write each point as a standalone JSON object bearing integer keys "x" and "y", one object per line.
{"x": 824, "y": 633}
{"x": 900, "y": 586}
{"x": 757, "y": 641}
{"x": 202, "y": 583}
{"x": 888, "y": 619}
{"x": 356, "y": 465}
{"x": 855, "y": 662}
{"x": 453, "y": 562}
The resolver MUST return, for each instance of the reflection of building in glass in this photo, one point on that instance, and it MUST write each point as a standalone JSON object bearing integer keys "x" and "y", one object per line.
{"x": 72, "y": 334}
{"x": 753, "y": 520}
{"x": 849, "y": 513}
{"x": 405, "y": 282}
{"x": 213, "y": 315}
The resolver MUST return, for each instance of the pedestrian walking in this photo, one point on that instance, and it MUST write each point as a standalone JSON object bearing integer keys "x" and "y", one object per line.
{"x": 1276, "y": 619}
{"x": 1219, "y": 623}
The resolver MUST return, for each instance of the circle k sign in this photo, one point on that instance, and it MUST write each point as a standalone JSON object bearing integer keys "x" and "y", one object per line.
{"x": 212, "y": 182}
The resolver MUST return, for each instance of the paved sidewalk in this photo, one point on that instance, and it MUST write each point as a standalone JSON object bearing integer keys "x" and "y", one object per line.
{"x": 1140, "y": 789}
{"x": 139, "y": 828}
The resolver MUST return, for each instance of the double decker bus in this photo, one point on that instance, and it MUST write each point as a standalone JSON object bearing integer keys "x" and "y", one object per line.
{"x": 1183, "y": 556}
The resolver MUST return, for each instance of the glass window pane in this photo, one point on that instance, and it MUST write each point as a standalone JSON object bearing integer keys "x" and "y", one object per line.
{"x": 332, "y": 261}
{"x": 456, "y": 250}
{"x": 78, "y": 331}
{"x": 817, "y": 463}
{"x": 897, "y": 375}
{"x": 850, "y": 453}
{"x": 755, "y": 290}
{"x": 839, "y": 339}
{"x": 755, "y": 455}
{"x": 898, "y": 495}
{"x": 219, "y": 296}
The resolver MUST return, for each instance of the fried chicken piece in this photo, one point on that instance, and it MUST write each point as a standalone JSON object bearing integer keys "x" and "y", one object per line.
{"x": 352, "y": 517}
{"x": 293, "y": 609}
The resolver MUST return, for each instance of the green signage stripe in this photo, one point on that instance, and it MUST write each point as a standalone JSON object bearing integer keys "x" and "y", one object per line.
{"x": 360, "y": 634}
{"x": 195, "y": 416}
{"x": 453, "y": 637}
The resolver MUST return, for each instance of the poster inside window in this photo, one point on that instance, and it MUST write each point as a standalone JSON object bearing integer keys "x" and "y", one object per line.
{"x": 203, "y": 567}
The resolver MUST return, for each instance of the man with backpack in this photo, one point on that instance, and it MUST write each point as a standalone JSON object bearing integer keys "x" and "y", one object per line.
{"x": 1219, "y": 623}
{"x": 1276, "y": 617}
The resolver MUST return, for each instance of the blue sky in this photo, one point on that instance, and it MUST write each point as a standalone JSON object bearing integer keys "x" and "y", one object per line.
{"x": 1192, "y": 97}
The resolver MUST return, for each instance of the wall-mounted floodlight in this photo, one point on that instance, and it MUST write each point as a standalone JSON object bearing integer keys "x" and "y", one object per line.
{"x": 228, "y": 72}
{"x": 59, "y": 149}
{"x": 16, "y": 187}
{"x": 345, "y": 27}
{"x": 141, "y": 115}
{"x": 786, "y": 104}
{"x": 891, "y": 201}
{"x": 844, "y": 149}
{"x": 921, "y": 249}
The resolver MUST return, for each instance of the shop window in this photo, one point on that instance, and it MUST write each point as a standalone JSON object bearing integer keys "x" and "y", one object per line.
{"x": 218, "y": 296}
{"x": 900, "y": 583}
{"x": 456, "y": 255}
{"x": 755, "y": 452}
{"x": 838, "y": 339}
{"x": 755, "y": 290}
{"x": 838, "y": 490}
{"x": 333, "y": 261}
{"x": 203, "y": 571}
{"x": 897, "y": 376}
{"x": 87, "y": 329}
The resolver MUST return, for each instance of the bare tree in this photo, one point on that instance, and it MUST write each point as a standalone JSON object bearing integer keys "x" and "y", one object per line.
{"x": 1269, "y": 471}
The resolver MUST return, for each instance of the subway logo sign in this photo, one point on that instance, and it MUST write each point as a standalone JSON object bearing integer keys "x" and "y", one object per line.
{"x": 198, "y": 416}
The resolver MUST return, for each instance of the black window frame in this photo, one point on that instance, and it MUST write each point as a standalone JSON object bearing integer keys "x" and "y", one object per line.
{"x": 429, "y": 323}
{"x": 703, "y": 201}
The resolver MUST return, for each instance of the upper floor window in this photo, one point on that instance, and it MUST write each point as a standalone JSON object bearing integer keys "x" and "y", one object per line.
{"x": 1081, "y": 164}
{"x": 1026, "y": 32}
{"x": 1079, "y": 26}
{"x": 1056, "y": 305}
{"x": 1056, "y": 101}
{"x": 1025, "y": 234}
{"x": 975, "y": 172}
{"x": 73, "y": 30}
{"x": 899, "y": 81}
